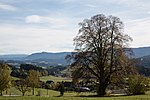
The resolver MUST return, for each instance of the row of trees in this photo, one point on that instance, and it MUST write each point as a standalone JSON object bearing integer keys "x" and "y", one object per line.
{"x": 31, "y": 82}
{"x": 22, "y": 72}
{"x": 23, "y": 85}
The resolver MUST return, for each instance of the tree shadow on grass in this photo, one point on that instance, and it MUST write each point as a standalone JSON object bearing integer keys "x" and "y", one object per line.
{"x": 100, "y": 96}
{"x": 58, "y": 96}
{"x": 93, "y": 96}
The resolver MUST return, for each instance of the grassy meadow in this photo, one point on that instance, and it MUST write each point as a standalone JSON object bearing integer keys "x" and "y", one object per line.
{"x": 55, "y": 79}
{"x": 14, "y": 94}
{"x": 54, "y": 95}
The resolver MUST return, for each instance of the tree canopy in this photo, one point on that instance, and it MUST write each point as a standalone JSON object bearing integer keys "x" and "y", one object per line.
{"x": 33, "y": 79}
{"x": 5, "y": 77}
{"x": 22, "y": 86}
{"x": 101, "y": 50}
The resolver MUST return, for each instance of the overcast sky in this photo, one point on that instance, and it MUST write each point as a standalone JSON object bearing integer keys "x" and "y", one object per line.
{"x": 28, "y": 26}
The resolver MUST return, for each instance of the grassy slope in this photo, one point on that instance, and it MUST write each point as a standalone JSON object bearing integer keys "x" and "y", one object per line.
{"x": 55, "y": 79}
{"x": 50, "y": 77}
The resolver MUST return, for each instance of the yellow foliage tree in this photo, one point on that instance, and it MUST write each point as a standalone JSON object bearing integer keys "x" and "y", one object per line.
{"x": 33, "y": 79}
{"x": 5, "y": 77}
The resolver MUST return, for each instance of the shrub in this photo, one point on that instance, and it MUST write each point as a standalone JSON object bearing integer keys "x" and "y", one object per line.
{"x": 137, "y": 84}
{"x": 61, "y": 89}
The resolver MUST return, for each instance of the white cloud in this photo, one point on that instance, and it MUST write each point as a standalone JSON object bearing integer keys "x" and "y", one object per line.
{"x": 7, "y": 7}
{"x": 90, "y": 5}
{"x": 26, "y": 39}
{"x": 68, "y": 1}
{"x": 51, "y": 27}
{"x": 136, "y": 4}
{"x": 33, "y": 19}
{"x": 56, "y": 22}
{"x": 46, "y": 19}
{"x": 139, "y": 31}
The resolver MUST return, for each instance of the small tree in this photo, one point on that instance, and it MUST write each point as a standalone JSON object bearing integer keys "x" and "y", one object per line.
{"x": 61, "y": 89}
{"x": 22, "y": 86}
{"x": 137, "y": 84}
{"x": 5, "y": 77}
{"x": 33, "y": 79}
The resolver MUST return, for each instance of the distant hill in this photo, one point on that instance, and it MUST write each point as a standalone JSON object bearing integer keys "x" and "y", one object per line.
{"x": 51, "y": 58}
{"x": 13, "y": 57}
{"x": 47, "y": 59}
{"x": 141, "y": 51}
{"x": 40, "y": 59}
{"x": 46, "y": 55}
{"x": 144, "y": 61}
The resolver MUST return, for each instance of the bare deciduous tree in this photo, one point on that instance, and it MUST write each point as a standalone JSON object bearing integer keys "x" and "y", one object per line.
{"x": 100, "y": 50}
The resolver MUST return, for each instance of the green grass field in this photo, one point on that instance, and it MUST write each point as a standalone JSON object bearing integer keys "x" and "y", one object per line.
{"x": 55, "y": 79}
{"x": 50, "y": 77}
{"x": 53, "y": 95}
{"x": 13, "y": 94}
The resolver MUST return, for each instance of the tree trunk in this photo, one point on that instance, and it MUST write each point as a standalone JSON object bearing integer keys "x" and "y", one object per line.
{"x": 1, "y": 93}
{"x": 33, "y": 91}
{"x": 101, "y": 90}
{"x": 23, "y": 93}
{"x": 6, "y": 92}
{"x": 47, "y": 91}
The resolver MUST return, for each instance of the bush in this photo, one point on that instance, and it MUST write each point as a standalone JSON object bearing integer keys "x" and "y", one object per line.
{"x": 61, "y": 89}
{"x": 137, "y": 84}
{"x": 59, "y": 86}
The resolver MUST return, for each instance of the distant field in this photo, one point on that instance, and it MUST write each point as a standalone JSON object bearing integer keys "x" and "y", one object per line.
{"x": 55, "y": 79}
{"x": 50, "y": 77}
